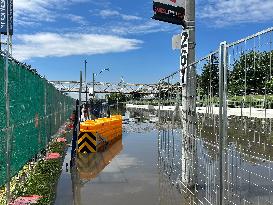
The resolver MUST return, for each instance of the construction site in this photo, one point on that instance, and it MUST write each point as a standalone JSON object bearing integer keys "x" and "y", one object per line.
{"x": 199, "y": 135}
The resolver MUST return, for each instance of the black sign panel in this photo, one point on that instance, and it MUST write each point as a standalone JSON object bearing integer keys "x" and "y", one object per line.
{"x": 168, "y": 13}
{"x": 4, "y": 6}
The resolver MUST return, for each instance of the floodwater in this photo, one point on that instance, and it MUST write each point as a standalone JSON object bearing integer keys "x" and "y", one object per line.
{"x": 150, "y": 163}
{"x": 126, "y": 173}
{"x": 248, "y": 159}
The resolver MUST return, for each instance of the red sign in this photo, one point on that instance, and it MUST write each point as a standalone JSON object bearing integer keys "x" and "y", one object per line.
{"x": 169, "y": 13}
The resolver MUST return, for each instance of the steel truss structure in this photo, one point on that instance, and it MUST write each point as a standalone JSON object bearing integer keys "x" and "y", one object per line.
{"x": 102, "y": 87}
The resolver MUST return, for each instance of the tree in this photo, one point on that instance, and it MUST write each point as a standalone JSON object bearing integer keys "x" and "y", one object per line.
{"x": 209, "y": 79}
{"x": 114, "y": 97}
{"x": 250, "y": 74}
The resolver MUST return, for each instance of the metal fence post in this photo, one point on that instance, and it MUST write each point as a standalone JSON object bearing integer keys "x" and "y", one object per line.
{"x": 159, "y": 103}
{"x": 75, "y": 133}
{"x": 8, "y": 145}
{"x": 45, "y": 111}
{"x": 8, "y": 130}
{"x": 79, "y": 108}
{"x": 222, "y": 117}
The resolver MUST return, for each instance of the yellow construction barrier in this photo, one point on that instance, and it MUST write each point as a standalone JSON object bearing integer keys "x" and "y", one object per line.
{"x": 95, "y": 134}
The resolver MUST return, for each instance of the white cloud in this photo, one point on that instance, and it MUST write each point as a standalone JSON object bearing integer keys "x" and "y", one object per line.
{"x": 33, "y": 10}
{"x": 109, "y": 13}
{"x": 27, "y": 11}
{"x": 130, "y": 17}
{"x": 146, "y": 27}
{"x": 128, "y": 25}
{"x": 77, "y": 19}
{"x": 232, "y": 12}
{"x": 56, "y": 45}
{"x": 38, "y": 12}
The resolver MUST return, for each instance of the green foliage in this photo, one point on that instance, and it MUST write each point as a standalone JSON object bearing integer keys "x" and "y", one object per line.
{"x": 250, "y": 74}
{"x": 269, "y": 86}
{"x": 114, "y": 97}
{"x": 209, "y": 79}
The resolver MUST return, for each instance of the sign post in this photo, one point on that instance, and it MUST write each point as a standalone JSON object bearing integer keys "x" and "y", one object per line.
{"x": 188, "y": 80}
{"x": 182, "y": 12}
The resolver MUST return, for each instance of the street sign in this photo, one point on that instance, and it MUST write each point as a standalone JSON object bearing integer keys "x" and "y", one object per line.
{"x": 176, "y": 42}
{"x": 170, "y": 11}
{"x": 4, "y": 6}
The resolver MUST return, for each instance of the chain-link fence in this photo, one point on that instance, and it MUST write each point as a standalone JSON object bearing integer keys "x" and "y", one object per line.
{"x": 225, "y": 153}
{"x": 193, "y": 165}
{"x": 249, "y": 144}
{"x": 37, "y": 110}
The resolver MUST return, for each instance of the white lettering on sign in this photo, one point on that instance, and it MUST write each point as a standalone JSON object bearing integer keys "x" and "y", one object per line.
{"x": 184, "y": 49}
{"x": 11, "y": 15}
{"x": 184, "y": 54}
{"x": 3, "y": 13}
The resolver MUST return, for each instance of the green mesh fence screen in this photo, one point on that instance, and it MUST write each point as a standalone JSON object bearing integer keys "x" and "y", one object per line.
{"x": 37, "y": 110}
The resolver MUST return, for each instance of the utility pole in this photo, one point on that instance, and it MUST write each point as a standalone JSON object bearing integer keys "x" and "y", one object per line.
{"x": 189, "y": 100}
{"x": 86, "y": 97}
{"x": 93, "y": 86}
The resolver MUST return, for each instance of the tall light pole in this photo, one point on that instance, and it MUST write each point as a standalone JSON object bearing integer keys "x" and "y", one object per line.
{"x": 94, "y": 74}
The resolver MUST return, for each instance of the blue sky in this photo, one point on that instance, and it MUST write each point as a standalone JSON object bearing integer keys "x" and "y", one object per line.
{"x": 56, "y": 36}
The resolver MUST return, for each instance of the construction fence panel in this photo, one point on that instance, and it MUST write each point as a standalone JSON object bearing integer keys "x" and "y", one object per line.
{"x": 2, "y": 124}
{"x": 188, "y": 149}
{"x": 222, "y": 153}
{"x": 249, "y": 143}
{"x": 37, "y": 110}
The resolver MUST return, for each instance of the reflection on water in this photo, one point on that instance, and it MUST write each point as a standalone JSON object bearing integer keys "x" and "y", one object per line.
{"x": 248, "y": 171}
{"x": 126, "y": 173}
{"x": 146, "y": 167}
{"x": 89, "y": 166}
{"x": 248, "y": 165}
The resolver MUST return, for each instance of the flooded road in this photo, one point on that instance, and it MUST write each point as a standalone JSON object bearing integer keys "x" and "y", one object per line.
{"x": 158, "y": 166}
{"x": 127, "y": 173}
